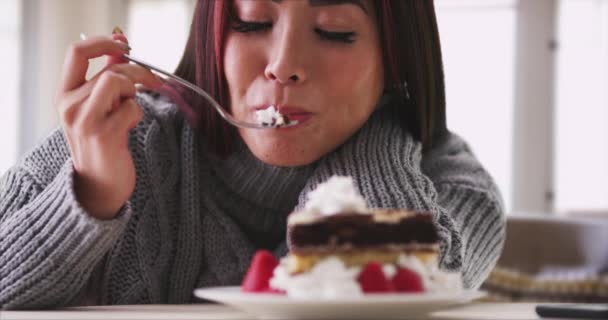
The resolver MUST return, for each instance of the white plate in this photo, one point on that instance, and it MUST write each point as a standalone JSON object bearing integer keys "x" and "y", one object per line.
{"x": 371, "y": 306}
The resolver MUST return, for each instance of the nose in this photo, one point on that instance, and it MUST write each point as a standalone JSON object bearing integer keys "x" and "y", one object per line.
{"x": 287, "y": 57}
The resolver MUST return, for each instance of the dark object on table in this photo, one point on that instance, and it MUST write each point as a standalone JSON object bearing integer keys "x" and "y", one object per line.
{"x": 573, "y": 311}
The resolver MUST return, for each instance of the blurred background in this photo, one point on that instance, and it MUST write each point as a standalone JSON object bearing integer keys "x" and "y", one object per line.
{"x": 526, "y": 84}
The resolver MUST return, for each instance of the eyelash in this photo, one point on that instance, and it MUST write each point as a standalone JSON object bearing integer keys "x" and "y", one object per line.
{"x": 250, "y": 26}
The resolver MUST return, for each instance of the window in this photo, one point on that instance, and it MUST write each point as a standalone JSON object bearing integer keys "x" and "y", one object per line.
{"x": 582, "y": 107}
{"x": 478, "y": 43}
{"x": 10, "y": 13}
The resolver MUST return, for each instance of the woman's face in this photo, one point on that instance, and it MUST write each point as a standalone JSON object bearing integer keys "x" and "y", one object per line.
{"x": 318, "y": 61}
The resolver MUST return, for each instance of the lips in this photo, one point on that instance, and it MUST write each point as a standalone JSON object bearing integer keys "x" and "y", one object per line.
{"x": 295, "y": 114}
{"x": 298, "y": 114}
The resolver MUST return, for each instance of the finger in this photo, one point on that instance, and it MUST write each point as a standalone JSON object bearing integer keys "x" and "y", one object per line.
{"x": 69, "y": 103}
{"x": 118, "y": 59}
{"x": 138, "y": 74}
{"x": 109, "y": 90}
{"x": 125, "y": 117}
{"x": 77, "y": 59}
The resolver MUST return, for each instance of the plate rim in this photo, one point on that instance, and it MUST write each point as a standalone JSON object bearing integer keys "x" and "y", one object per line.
{"x": 228, "y": 294}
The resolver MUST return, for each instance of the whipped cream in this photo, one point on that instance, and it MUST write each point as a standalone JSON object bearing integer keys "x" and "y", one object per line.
{"x": 331, "y": 279}
{"x": 328, "y": 279}
{"x": 336, "y": 195}
{"x": 433, "y": 279}
{"x": 270, "y": 117}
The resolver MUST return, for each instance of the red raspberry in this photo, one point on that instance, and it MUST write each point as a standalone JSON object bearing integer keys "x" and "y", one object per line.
{"x": 373, "y": 280}
{"x": 260, "y": 272}
{"x": 407, "y": 280}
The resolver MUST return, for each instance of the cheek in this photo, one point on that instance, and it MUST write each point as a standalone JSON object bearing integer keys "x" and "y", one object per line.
{"x": 239, "y": 68}
{"x": 231, "y": 55}
{"x": 360, "y": 67}
{"x": 352, "y": 82}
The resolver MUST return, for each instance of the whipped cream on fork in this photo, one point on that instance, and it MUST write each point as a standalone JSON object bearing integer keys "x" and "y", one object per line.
{"x": 271, "y": 117}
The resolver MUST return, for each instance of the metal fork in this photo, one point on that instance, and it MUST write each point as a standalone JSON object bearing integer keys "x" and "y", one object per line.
{"x": 227, "y": 116}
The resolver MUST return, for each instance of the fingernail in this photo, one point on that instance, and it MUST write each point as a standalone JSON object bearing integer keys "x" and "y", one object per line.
{"x": 117, "y": 30}
{"x": 124, "y": 45}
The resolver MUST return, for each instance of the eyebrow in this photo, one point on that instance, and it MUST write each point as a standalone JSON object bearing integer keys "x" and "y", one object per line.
{"x": 320, "y": 3}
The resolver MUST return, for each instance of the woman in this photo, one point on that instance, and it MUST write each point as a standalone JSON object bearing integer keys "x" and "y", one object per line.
{"x": 136, "y": 200}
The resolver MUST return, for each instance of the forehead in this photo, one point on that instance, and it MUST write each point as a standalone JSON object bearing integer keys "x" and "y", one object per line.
{"x": 363, "y": 4}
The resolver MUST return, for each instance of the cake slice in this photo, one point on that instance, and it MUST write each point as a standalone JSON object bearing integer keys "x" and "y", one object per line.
{"x": 341, "y": 248}
{"x": 378, "y": 235}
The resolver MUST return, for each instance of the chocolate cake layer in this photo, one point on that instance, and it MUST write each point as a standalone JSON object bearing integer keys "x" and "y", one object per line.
{"x": 362, "y": 230}
{"x": 329, "y": 249}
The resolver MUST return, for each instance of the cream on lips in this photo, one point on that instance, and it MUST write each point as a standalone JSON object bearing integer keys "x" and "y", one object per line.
{"x": 270, "y": 117}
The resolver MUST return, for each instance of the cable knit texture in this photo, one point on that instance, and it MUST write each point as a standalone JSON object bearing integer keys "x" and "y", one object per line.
{"x": 195, "y": 220}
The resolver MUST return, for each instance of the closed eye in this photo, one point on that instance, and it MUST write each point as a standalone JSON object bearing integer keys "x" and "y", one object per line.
{"x": 242, "y": 26}
{"x": 345, "y": 37}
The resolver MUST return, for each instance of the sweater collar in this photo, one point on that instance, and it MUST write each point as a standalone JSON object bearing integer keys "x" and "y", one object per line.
{"x": 267, "y": 186}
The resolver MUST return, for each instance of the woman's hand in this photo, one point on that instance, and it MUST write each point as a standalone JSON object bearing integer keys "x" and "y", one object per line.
{"x": 96, "y": 116}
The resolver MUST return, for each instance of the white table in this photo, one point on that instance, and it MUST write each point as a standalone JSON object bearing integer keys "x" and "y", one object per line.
{"x": 475, "y": 311}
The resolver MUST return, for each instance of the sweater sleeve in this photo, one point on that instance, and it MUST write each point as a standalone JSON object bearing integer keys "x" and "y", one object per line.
{"x": 49, "y": 245}
{"x": 469, "y": 196}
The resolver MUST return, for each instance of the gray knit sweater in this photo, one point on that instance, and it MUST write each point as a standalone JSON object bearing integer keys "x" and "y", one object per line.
{"x": 195, "y": 220}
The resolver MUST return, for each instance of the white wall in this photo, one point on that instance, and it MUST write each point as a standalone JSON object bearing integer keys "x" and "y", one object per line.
{"x": 161, "y": 44}
{"x": 10, "y": 13}
{"x": 479, "y": 70}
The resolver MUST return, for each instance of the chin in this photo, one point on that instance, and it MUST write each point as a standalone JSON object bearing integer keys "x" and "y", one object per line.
{"x": 283, "y": 151}
{"x": 285, "y": 158}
